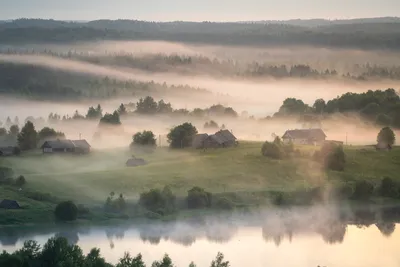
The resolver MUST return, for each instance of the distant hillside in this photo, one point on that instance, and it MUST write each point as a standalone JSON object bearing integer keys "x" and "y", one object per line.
{"x": 380, "y": 33}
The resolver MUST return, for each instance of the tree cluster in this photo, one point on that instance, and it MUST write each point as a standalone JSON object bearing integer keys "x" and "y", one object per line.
{"x": 198, "y": 198}
{"x": 182, "y": 135}
{"x": 111, "y": 119}
{"x": 332, "y": 156}
{"x": 277, "y": 149}
{"x": 115, "y": 204}
{"x": 159, "y": 201}
{"x": 58, "y": 252}
{"x": 379, "y": 107}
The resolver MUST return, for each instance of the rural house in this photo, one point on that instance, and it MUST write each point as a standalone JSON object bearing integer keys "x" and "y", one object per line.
{"x": 9, "y": 150}
{"x": 66, "y": 146}
{"x": 8, "y": 146}
{"x": 9, "y": 204}
{"x": 304, "y": 137}
{"x": 222, "y": 138}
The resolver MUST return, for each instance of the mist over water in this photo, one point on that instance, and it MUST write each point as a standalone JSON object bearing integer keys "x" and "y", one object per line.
{"x": 308, "y": 237}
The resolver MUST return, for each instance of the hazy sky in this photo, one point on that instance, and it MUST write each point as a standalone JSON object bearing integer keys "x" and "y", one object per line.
{"x": 197, "y": 10}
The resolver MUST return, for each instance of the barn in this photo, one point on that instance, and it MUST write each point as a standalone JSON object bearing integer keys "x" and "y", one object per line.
{"x": 66, "y": 146}
{"x": 304, "y": 136}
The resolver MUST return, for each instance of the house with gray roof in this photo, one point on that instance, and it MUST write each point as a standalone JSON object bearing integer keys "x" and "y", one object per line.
{"x": 222, "y": 138}
{"x": 9, "y": 146}
{"x": 66, "y": 146}
{"x": 304, "y": 136}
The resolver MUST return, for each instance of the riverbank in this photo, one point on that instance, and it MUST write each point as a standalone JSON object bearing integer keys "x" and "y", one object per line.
{"x": 241, "y": 176}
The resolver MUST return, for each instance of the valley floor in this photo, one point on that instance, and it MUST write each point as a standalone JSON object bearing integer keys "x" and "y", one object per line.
{"x": 240, "y": 171}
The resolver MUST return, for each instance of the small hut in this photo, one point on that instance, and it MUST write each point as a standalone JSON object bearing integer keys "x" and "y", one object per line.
{"x": 9, "y": 204}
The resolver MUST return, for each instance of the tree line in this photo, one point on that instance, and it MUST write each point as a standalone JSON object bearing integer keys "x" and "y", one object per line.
{"x": 43, "y": 83}
{"x": 58, "y": 252}
{"x": 144, "y": 106}
{"x": 372, "y": 35}
{"x": 215, "y": 66}
{"x": 379, "y": 107}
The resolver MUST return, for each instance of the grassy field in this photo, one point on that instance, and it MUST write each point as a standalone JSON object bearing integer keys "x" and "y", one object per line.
{"x": 90, "y": 178}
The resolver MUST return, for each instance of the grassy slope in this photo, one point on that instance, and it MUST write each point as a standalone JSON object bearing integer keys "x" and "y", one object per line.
{"x": 89, "y": 179}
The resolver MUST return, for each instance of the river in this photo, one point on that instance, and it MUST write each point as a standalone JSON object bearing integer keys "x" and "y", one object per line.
{"x": 244, "y": 242}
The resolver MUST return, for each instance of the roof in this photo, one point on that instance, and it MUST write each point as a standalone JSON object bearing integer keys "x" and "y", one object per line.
{"x": 305, "y": 134}
{"x": 218, "y": 138}
{"x": 9, "y": 204}
{"x": 199, "y": 139}
{"x": 65, "y": 143}
{"x": 81, "y": 143}
{"x": 225, "y": 136}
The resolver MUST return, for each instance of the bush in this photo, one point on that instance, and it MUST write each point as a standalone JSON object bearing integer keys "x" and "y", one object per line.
{"x": 115, "y": 205}
{"x": 363, "y": 190}
{"x": 66, "y": 211}
{"x": 388, "y": 188}
{"x": 198, "y": 198}
{"x": 332, "y": 156}
{"x": 224, "y": 204}
{"x": 20, "y": 181}
{"x": 158, "y": 201}
{"x": 336, "y": 159}
{"x": 144, "y": 141}
{"x": 386, "y": 136}
{"x": 272, "y": 150}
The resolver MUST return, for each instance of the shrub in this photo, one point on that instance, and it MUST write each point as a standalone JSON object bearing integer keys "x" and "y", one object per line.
{"x": 386, "y": 136}
{"x": 158, "y": 201}
{"x": 144, "y": 141}
{"x": 198, "y": 198}
{"x": 363, "y": 190}
{"x": 388, "y": 188}
{"x": 115, "y": 205}
{"x": 272, "y": 150}
{"x": 224, "y": 203}
{"x": 20, "y": 181}
{"x": 66, "y": 211}
{"x": 336, "y": 159}
{"x": 332, "y": 156}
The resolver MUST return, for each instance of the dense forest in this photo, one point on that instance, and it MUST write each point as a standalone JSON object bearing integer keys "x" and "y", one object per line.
{"x": 43, "y": 83}
{"x": 182, "y": 64}
{"x": 370, "y": 34}
{"x": 379, "y": 107}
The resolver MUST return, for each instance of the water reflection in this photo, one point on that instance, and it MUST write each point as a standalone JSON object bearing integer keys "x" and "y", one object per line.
{"x": 276, "y": 227}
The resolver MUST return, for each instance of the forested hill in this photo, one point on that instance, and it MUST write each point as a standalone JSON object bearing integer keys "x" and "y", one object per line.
{"x": 362, "y": 34}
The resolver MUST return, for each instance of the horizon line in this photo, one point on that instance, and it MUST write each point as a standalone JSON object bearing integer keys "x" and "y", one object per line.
{"x": 202, "y": 21}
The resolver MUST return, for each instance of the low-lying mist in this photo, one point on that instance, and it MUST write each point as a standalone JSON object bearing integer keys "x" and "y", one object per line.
{"x": 260, "y": 98}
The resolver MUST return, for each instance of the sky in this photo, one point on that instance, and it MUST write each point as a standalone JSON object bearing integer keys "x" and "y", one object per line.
{"x": 197, "y": 10}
